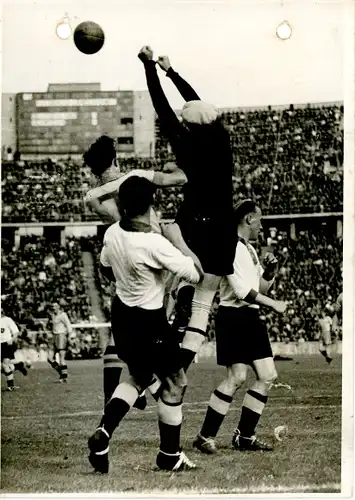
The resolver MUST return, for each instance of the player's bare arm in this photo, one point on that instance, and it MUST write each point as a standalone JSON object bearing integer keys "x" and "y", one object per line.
{"x": 170, "y": 179}
{"x": 254, "y": 297}
{"x": 100, "y": 209}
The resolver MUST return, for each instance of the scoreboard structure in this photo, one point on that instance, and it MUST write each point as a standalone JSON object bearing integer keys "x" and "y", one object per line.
{"x": 68, "y": 118}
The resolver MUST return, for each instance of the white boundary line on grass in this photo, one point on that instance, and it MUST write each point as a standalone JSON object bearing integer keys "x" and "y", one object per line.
{"x": 152, "y": 409}
{"x": 262, "y": 489}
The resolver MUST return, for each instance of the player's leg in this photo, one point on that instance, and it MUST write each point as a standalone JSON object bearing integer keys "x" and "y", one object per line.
{"x": 112, "y": 369}
{"x": 8, "y": 369}
{"x": 230, "y": 351}
{"x": 52, "y": 355}
{"x": 130, "y": 332}
{"x": 253, "y": 405}
{"x": 258, "y": 353}
{"x": 117, "y": 407}
{"x": 327, "y": 342}
{"x": 63, "y": 368}
{"x": 170, "y": 456}
{"x": 183, "y": 309}
{"x": 19, "y": 366}
{"x": 218, "y": 407}
{"x": 200, "y": 311}
{"x": 168, "y": 366}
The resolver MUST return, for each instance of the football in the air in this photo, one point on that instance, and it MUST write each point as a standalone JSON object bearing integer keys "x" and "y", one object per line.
{"x": 89, "y": 37}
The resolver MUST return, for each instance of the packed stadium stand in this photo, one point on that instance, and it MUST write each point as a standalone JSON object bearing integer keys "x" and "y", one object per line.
{"x": 289, "y": 160}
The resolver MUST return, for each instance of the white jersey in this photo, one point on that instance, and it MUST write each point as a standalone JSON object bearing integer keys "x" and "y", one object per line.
{"x": 9, "y": 330}
{"x": 325, "y": 324}
{"x": 139, "y": 261}
{"x": 246, "y": 277}
{"x": 107, "y": 194}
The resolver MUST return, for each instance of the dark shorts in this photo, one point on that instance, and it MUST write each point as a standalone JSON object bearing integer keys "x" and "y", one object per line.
{"x": 7, "y": 351}
{"x": 213, "y": 240}
{"x": 145, "y": 342}
{"x": 241, "y": 336}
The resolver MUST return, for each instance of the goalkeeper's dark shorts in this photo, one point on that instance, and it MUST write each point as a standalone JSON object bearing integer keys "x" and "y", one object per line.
{"x": 213, "y": 239}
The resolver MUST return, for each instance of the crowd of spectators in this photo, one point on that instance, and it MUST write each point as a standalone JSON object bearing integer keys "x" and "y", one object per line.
{"x": 33, "y": 277}
{"x": 289, "y": 160}
{"x": 39, "y": 273}
{"x": 309, "y": 279}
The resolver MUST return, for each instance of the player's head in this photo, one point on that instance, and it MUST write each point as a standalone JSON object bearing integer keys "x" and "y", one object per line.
{"x": 101, "y": 155}
{"x": 198, "y": 113}
{"x": 248, "y": 217}
{"x": 136, "y": 196}
{"x": 56, "y": 307}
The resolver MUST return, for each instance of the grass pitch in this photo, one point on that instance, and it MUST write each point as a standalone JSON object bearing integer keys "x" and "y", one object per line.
{"x": 45, "y": 427}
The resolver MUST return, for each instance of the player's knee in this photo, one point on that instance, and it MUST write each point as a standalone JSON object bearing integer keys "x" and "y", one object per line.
{"x": 204, "y": 294}
{"x": 6, "y": 364}
{"x": 236, "y": 380}
{"x": 268, "y": 378}
{"x": 140, "y": 385}
{"x": 173, "y": 387}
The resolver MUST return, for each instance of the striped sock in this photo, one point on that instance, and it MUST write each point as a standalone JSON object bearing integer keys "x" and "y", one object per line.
{"x": 217, "y": 409}
{"x": 196, "y": 330}
{"x": 112, "y": 371}
{"x": 252, "y": 408}
{"x": 122, "y": 399}
{"x": 9, "y": 378}
{"x": 191, "y": 344}
{"x": 170, "y": 418}
{"x": 63, "y": 371}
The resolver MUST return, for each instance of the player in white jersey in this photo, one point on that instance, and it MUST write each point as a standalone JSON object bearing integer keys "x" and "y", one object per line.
{"x": 338, "y": 310}
{"x": 9, "y": 334}
{"x": 242, "y": 338}
{"x": 325, "y": 340}
{"x": 61, "y": 329}
{"x": 101, "y": 157}
{"x": 137, "y": 259}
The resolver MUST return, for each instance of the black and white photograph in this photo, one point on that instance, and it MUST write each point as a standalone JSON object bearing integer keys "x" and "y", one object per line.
{"x": 177, "y": 248}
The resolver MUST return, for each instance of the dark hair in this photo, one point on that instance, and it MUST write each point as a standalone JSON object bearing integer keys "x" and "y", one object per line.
{"x": 244, "y": 208}
{"x": 100, "y": 155}
{"x": 135, "y": 196}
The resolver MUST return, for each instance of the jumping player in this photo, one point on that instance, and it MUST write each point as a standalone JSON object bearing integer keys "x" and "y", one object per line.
{"x": 202, "y": 149}
{"x": 101, "y": 158}
{"x": 242, "y": 339}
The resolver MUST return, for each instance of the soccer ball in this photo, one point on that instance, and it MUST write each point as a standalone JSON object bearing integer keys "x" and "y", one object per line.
{"x": 89, "y": 37}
